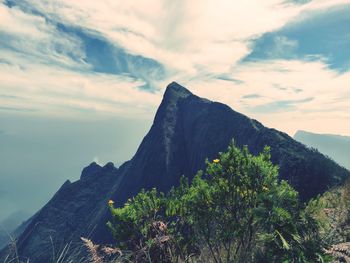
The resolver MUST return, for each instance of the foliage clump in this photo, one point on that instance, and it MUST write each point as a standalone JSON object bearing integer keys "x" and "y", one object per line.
{"x": 235, "y": 211}
{"x": 332, "y": 212}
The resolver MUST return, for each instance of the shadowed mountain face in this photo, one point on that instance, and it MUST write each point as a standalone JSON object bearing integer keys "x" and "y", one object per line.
{"x": 335, "y": 146}
{"x": 186, "y": 130}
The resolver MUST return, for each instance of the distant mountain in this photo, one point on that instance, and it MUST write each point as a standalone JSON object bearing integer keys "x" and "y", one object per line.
{"x": 186, "y": 130}
{"x": 335, "y": 146}
{"x": 11, "y": 222}
{"x": 9, "y": 225}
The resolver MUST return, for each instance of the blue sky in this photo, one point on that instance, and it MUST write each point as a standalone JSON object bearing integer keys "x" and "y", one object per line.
{"x": 318, "y": 35}
{"x": 285, "y": 63}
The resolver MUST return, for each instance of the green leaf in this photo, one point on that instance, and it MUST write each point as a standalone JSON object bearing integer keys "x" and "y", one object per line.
{"x": 285, "y": 244}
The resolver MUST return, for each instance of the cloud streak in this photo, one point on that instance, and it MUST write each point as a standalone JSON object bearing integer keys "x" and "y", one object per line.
{"x": 68, "y": 91}
{"x": 116, "y": 57}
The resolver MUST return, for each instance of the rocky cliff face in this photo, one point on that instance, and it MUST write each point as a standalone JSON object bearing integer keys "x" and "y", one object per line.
{"x": 186, "y": 130}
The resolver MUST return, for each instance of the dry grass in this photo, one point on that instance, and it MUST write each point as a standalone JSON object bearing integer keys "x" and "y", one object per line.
{"x": 340, "y": 252}
{"x": 102, "y": 254}
{"x": 93, "y": 250}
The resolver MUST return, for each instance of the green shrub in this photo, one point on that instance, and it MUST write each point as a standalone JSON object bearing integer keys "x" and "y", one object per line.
{"x": 234, "y": 211}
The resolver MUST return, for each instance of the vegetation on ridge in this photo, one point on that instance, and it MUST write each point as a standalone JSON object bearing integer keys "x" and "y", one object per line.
{"x": 235, "y": 211}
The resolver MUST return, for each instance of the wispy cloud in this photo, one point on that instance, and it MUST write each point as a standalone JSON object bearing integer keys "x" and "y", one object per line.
{"x": 53, "y": 90}
{"x": 278, "y": 106}
{"x": 251, "y": 96}
{"x": 27, "y": 37}
{"x": 105, "y": 57}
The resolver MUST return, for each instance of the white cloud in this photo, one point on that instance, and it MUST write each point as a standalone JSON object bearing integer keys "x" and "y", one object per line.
{"x": 191, "y": 36}
{"x": 15, "y": 21}
{"x": 43, "y": 72}
{"x": 183, "y": 35}
{"x": 54, "y": 91}
{"x": 196, "y": 40}
{"x": 32, "y": 38}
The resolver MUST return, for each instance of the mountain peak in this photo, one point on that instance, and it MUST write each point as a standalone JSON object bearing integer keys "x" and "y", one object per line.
{"x": 175, "y": 90}
{"x": 90, "y": 170}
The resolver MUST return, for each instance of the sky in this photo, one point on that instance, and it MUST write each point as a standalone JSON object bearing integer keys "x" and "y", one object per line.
{"x": 81, "y": 80}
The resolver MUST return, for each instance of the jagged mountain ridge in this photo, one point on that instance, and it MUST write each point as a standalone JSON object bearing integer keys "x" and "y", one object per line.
{"x": 186, "y": 130}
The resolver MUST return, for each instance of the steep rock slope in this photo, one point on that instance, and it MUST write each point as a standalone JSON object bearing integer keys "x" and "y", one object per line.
{"x": 186, "y": 130}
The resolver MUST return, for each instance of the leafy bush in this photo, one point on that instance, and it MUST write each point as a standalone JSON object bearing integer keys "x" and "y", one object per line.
{"x": 332, "y": 212}
{"x": 234, "y": 211}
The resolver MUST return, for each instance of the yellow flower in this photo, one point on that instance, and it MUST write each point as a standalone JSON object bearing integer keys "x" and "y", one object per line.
{"x": 110, "y": 202}
{"x": 265, "y": 188}
{"x": 216, "y": 161}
